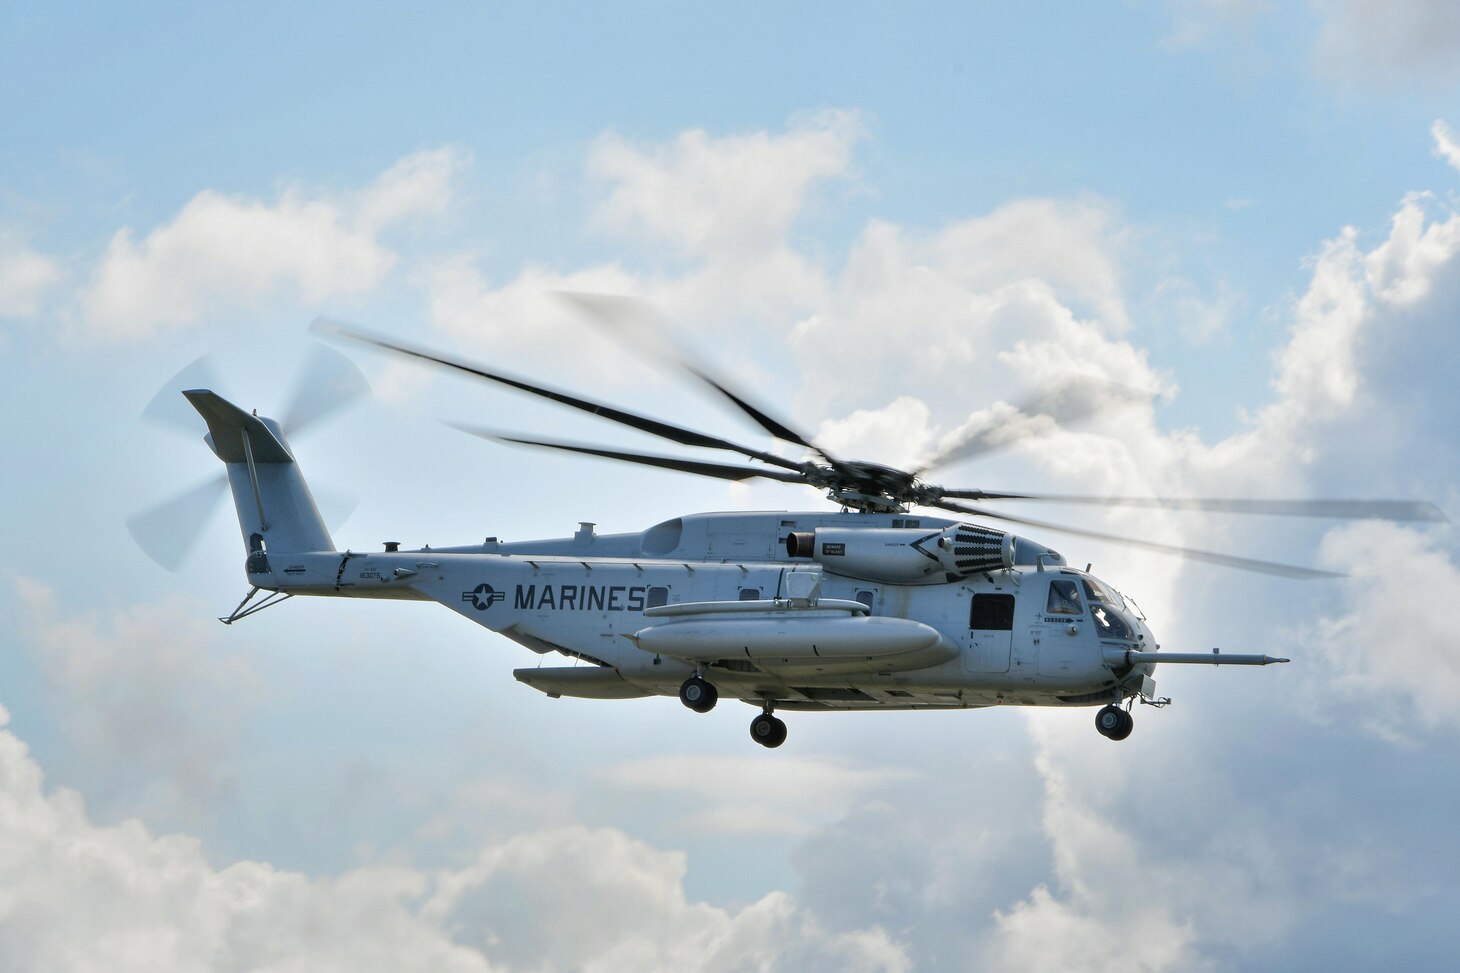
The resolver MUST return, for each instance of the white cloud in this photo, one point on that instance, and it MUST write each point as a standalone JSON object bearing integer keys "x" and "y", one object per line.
{"x": 1387, "y": 655}
{"x": 749, "y": 795}
{"x": 523, "y": 318}
{"x": 78, "y": 896}
{"x": 223, "y": 249}
{"x": 1446, "y": 146}
{"x": 153, "y": 703}
{"x": 726, "y": 205}
{"x": 1402, "y": 40}
{"x": 25, "y": 277}
{"x": 716, "y": 195}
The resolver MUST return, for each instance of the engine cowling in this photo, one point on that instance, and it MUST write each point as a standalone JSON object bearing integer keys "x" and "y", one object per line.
{"x": 905, "y": 555}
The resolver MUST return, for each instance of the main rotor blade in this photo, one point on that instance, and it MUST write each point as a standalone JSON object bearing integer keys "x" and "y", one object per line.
{"x": 721, "y": 470}
{"x": 1226, "y": 560}
{"x": 1074, "y": 400}
{"x": 168, "y": 531}
{"x": 622, "y": 313}
{"x": 664, "y": 430}
{"x": 1395, "y": 510}
{"x": 327, "y": 382}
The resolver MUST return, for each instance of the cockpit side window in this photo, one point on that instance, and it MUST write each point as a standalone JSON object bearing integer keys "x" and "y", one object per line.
{"x": 1064, "y": 599}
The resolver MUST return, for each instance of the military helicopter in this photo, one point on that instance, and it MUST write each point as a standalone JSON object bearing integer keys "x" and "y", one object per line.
{"x": 871, "y": 606}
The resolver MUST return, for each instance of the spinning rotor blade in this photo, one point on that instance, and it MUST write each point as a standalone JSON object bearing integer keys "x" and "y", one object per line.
{"x": 1072, "y": 401}
{"x": 1395, "y": 510}
{"x": 168, "y": 531}
{"x": 721, "y": 470}
{"x": 327, "y": 382}
{"x": 1226, "y": 560}
{"x": 664, "y": 430}
{"x": 170, "y": 410}
{"x": 639, "y": 318}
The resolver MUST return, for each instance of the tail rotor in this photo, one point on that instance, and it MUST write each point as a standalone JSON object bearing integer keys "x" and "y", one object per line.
{"x": 326, "y": 384}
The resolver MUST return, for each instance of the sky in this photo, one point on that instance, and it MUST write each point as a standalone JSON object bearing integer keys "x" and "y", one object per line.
{"x": 883, "y": 221}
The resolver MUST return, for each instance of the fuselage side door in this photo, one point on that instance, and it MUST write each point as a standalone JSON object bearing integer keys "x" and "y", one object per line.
{"x": 990, "y": 633}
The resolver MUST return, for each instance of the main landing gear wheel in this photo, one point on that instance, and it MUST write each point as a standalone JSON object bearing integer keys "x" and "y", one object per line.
{"x": 767, "y": 730}
{"x": 1114, "y": 722}
{"x": 698, "y": 694}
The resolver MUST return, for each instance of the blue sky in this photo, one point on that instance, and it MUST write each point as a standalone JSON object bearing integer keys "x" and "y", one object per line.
{"x": 883, "y": 221}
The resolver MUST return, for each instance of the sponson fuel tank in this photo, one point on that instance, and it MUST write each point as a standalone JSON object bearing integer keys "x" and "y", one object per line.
{"x": 905, "y": 555}
{"x": 833, "y": 636}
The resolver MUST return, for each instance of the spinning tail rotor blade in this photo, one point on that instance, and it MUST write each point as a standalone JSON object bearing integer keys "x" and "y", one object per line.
{"x": 327, "y": 383}
{"x": 639, "y": 320}
{"x": 1190, "y": 553}
{"x": 168, "y": 531}
{"x": 664, "y": 430}
{"x": 1393, "y": 510}
{"x": 722, "y": 471}
{"x": 170, "y": 410}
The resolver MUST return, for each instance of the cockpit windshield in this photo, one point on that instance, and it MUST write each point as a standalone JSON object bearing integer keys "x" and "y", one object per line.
{"x": 1110, "y": 623}
{"x": 1099, "y": 592}
{"x": 1107, "y": 607}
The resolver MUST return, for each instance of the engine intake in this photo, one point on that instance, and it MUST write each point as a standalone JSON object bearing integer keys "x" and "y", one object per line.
{"x": 905, "y": 556}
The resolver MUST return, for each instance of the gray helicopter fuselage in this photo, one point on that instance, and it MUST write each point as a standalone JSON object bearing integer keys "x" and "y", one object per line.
{"x": 722, "y": 596}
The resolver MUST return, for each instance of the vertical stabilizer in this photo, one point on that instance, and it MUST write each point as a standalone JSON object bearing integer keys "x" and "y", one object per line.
{"x": 275, "y": 509}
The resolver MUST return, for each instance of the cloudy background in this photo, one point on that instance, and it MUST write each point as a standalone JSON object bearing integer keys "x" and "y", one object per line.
{"x": 884, "y": 223}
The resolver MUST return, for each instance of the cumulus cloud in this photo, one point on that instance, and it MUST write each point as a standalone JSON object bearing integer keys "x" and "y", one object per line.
{"x": 730, "y": 194}
{"x": 748, "y": 795}
{"x": 223, "y": 249}
{"x": 78, "y": 896}
{"x": 724, "y": 205}
{"x": 25, "y": 277}
{"x": 1391, "y": 641}
{"x": 153, "y": 704}
{"x": 1446, "y": 146}
{"x": 1399, "y": 41}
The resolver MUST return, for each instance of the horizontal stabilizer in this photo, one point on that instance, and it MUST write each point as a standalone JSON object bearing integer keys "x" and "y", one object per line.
{"x": 226, "y": 425}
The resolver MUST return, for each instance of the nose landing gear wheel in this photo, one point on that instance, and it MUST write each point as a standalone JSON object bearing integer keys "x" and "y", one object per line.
{"x": 698, "y": 694}
{"x": 767, "y": 730}
{"x": 1114, "y": 722}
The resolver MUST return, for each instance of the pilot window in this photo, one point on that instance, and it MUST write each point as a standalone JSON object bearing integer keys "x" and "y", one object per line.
{"x": 1110, "y": 624}
{"x": 1064, "y": 599}
{"x": 992, "y": 613}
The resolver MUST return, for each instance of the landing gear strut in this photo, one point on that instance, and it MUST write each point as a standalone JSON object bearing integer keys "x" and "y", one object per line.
{"x": 1114, "y": 722}
{"x": 698, "y": 695}
{"x": 766, "y": 730}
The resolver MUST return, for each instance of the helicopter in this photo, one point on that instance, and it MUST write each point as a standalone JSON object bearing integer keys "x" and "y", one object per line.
{"x": 873, "y": 605}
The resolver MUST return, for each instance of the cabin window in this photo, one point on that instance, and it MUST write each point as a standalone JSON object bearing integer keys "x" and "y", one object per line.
{"x": 658, "y": 596}
{"x": 865, "y": 597}
{"x": 750, "y": 594}
{"x": 992, "y": 613}
{"x": 1064, "y": 599}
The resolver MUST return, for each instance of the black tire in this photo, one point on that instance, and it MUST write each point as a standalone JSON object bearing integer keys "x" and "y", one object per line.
{"x": 1109, "y": 721}
{"x": 698, "y": 694}
{"x": 1127, "y": 723}
{"x": 768, "y": 731}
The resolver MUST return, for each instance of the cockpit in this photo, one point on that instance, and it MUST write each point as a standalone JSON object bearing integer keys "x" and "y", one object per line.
{"x": 1071, "y": 594}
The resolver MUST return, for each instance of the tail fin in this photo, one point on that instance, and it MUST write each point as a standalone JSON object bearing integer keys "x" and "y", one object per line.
{"x": 275, "y": 509}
